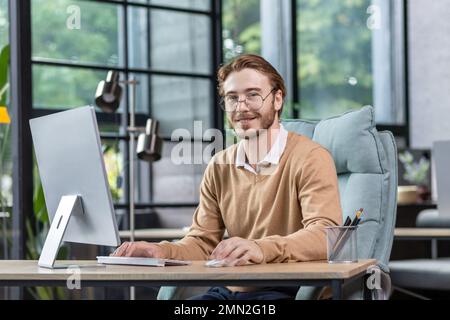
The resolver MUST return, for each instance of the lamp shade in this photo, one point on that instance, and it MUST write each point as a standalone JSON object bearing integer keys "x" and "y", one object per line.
{"x": 149, "y": 144}
{"x": 4, "y": 116}
{"x": 109, "y": 93}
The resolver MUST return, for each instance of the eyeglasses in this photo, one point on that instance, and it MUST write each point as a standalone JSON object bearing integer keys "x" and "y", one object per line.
{"x": 253, "y": 100}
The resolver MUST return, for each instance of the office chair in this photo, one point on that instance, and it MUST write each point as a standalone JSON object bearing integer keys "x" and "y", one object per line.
{"x": 411, "y": 275}
{"x": 366, "y": 163}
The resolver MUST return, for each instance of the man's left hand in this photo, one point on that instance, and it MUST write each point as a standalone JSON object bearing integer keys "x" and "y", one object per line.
{"x": 237, "y": 252}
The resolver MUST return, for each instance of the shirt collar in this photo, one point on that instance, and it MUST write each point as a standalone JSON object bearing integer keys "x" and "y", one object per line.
{"x": 272, "y": 157}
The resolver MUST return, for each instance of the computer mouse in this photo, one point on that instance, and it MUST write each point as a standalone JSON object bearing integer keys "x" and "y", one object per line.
{"x": 215, "y": 263}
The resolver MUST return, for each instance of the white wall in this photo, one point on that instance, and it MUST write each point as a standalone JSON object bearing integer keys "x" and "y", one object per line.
{"x": 429, "y": 71}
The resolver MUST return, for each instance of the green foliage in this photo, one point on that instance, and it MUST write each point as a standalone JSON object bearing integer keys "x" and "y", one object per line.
{"x": 114, "y": 168}
{"x": 4, "y": 23}
{"x": 251, "y": 38}
{"x": 238, "y": 15}
{"x": 39, "y": 206}
{"x": 35, "y": 234}
{"x": 5, "y": 144}
{"x": 241, "y": 27}
{"x": 36, "y": 230}
{"x": 4, "y": 66}
{"x": 288, "y": 108}
{"x": 96, "y": 42}
{"x": 416, "y": 172}
{"x": 334, "y": 45}
{"x": 35, "y": 240}
{"x": 5, "y": 154}
{"x": 64, "y": 87}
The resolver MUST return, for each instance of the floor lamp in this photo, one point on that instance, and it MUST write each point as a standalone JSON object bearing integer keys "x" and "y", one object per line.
{"x": 149, "y": 144}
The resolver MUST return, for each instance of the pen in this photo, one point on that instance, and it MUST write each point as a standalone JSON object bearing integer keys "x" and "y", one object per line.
{"x": 340, "y": 241}
{"x": 347, "y": 221}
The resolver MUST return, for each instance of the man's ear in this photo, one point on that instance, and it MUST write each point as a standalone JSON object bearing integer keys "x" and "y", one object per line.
{"x": 278, "y": 100}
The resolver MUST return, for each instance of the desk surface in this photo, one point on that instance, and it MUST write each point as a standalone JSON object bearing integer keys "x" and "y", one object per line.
{"x": 422, "y": 233}
{"x": 28, "y": 270}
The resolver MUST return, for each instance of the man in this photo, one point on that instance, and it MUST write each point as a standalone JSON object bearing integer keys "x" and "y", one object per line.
{"x": 274, "y": 191}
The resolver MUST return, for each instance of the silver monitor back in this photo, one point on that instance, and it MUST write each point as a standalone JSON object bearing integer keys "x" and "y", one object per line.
{"x": 441, "y": 159}
{"x": 70, "y": 160}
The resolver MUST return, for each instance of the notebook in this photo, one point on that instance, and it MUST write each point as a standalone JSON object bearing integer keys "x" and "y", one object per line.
{"x": 139, "y": 261}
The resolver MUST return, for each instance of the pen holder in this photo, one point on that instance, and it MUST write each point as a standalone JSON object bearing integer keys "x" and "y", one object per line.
{"x": 342, "y": 244}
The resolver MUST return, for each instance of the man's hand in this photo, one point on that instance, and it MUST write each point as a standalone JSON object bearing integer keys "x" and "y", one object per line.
{"x": 237, "y": 252}
{"x": 139, "y": 249}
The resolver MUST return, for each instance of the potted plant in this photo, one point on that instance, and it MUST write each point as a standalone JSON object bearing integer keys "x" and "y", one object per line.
{"x": 416, "y": 173}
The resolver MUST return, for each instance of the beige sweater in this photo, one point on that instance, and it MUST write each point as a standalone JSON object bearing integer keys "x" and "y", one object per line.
{"x": 285, "y": 212}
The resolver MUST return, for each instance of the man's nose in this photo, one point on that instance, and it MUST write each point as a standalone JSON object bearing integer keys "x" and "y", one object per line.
{"x": 242, "y": 105}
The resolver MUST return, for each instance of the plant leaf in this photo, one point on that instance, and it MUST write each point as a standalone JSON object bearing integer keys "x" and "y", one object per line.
{"x": 4, "y": 66}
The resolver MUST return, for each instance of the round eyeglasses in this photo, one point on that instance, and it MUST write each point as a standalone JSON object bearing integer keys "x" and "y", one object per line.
{"x": 253, "y": 100}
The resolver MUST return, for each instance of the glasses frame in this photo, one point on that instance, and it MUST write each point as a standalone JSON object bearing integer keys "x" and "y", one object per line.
{"x": 222, "y": 102}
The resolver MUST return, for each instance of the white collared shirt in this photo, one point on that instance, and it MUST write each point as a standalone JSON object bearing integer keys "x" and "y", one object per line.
{"x": 270, "y": 161}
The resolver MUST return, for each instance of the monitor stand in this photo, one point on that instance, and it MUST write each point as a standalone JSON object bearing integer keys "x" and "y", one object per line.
{"x": 68, "y": 206}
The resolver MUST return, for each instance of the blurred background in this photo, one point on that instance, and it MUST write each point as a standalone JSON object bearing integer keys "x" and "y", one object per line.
{"x": 334, "y": 56}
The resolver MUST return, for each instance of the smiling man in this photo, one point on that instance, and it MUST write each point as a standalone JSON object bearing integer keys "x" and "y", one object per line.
{"x": 274, "y": 192}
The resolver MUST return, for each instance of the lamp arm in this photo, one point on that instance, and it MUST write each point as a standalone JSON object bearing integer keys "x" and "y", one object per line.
{"x": 136, "y": 129}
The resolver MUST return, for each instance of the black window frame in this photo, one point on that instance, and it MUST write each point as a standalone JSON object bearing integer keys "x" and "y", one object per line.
{"x": 104, "y": 118}
{"x": 22, "y": 64}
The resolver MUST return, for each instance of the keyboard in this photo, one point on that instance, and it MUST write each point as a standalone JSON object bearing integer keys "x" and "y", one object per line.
{"x": 139, "y": 261}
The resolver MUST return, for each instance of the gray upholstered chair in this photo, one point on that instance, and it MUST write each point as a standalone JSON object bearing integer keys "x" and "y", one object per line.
{"x": 366, "y": 163}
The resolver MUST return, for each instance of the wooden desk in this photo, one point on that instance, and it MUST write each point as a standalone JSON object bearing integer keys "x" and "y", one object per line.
{"x": 431, "y": 234}
{"x": 407, "y": 213}
{"x": 421, "y": 233}
{"x": 27, "y": 273}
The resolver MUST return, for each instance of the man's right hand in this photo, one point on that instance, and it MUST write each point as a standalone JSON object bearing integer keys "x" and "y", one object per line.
{"x": 139, "y": 249}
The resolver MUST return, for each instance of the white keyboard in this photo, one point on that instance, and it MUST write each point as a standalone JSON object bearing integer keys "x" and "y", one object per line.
{"x": 138, "y": 261}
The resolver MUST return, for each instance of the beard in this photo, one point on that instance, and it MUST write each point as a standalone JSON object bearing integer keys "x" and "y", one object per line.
{"x": 266, "y": 121}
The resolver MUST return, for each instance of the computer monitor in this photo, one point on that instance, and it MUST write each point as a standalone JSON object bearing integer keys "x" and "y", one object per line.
{"x": 441, "y": 161}
{"x": 73, "y": 175}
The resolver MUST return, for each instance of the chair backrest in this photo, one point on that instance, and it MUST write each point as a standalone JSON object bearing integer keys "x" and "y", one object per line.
{"x": 366, "y": 163}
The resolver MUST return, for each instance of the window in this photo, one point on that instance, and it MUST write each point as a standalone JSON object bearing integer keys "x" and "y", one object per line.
{"x": 4, "y": 24}
{"x": 166, "y": 45}
{"x": 241, "y": 27}
{"x": 334, "y": 56}
{"x": 85, "y": 32}
{"x": 241, "y": 33}
{"x": 204, "y": 5}
{"x": 345, "y": 58}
